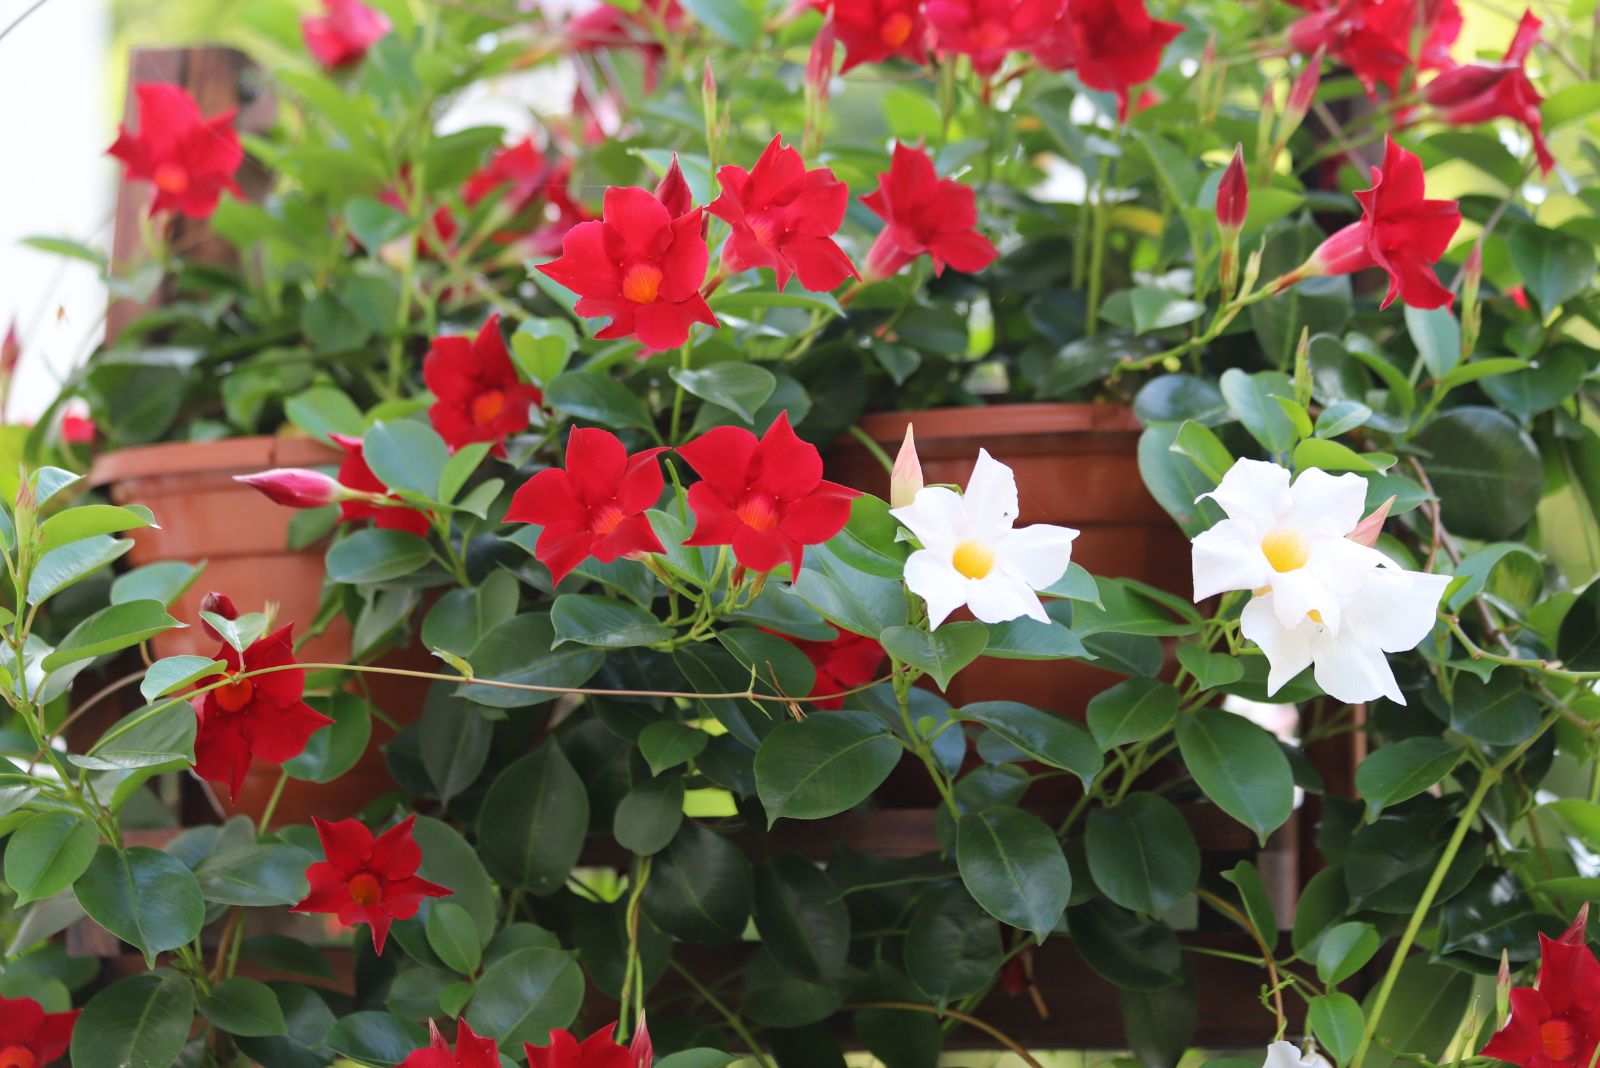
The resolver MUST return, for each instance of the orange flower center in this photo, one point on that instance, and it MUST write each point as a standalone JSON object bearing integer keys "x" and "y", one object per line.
{"x": 364, "y": 889}
{"x": 896, "y": 29}
{"x": 758, "y": 512}
{"x": 486, "y": 407}
{"x": 170, "y": 178}
{"x": 233, "y": 697}
{"x": 993, "y": 33}
{"x": 642, "y": 283}
{"x": 1559, "y": 1038}
{"x": 764, "y": 228}
{"x": 607, "y": 518}
{"x": 17, "y": 1057}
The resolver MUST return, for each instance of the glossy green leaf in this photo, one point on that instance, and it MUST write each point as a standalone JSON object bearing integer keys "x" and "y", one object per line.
{"x": 939, "y": 654}
{"x": 139, "y": 1022}
{"x": 823, "y": 765}
{"x": 144, "y": 897}
{"x": 533, "y": 821}
{"x": 1239, "y": 766}
{"x": 1132, "y": 711}
{"x": 1012, "y": 864}
{"x": 1141, "y": 853}
{"x": 244, "y": 1007}
{"x": 453, "y": 935}
{"x": 47, "y": 854}
{"x": 110, "y": 629}
{"x": 1045, "y": 736}
{"x": 603, "y": 622}
{"x": 1401, "y": 770}
{"x": 375, "y": 555}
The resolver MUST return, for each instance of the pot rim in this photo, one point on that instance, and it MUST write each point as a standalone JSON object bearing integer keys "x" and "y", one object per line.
{"x": 207, "y": 457}
{"x": 988, "y": 421}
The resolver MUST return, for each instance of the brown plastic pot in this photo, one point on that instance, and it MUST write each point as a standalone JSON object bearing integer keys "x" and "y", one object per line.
{"x": 1076, "y": 466}
{"x": 243, "y": 538}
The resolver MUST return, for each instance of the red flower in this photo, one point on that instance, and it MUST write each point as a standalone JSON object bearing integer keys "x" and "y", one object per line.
{"x": 1479, "y": 92}
{"x": 341, "y": 35}
{"x": 1113, "y": 44}
{"x": 874, "y": 31}
{"x": 608, "y": 27}
{"x": 986, "y": 30}
{"x": 1373, "y": 38}
{"x": 471, "y": 1051}
{"x": 368, "y": 880}
{"x": 924, "y": 214}
{"x": 189, "y": 159}
{"x": 1557, "y": 1024}
{"x": 356, "y": 474}
{"x": 262, "y": 717}
{"x": 639, "y": 266}
{"x": 77, "y": 429}
{"x": 1400, "y": 231}
{"x": 784, "y": 217}
{"x": 10, "y": 350}
{"x": 595, "y": 507}
{"x": 599, "y": 1050}
{"x": 765, "y": 498}
{"x": 218, "y": 604}
{"x": 1519, "y": 297}
{"x": 478, "y": 395}
{"x": 31, "y": 1037}
{"x": 845, "y": 662}
{"x": 294, "y": 487}
{"x": 528, "y": 184}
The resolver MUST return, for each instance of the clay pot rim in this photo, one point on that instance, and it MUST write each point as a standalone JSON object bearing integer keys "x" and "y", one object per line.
{"x": 203, "y": 457}
{"x": 998, "y": 420}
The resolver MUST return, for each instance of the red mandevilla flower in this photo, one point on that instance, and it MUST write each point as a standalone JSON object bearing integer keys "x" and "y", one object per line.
{"x": 599, "y": 1050}
{"x": 479, "y": 397}
{"x": 526, "y": 184}
{"x": 261, "y": 718}
{"x": 31, "y": 1037}
{"x": 1478, "y": 92}
{"x": 608, "y": 27}
{"x": 341, "y": 35}
{"x": 356, "y": 474}
{"x": 470, "y": 1052}
{"x": 766, "y": 498}
{"x": 784, "y": 217}
{"x": 368, "y": 880}
{"x": 217, "y": 604}
{"x": 843, "y": 663}
{"x": 77, "y": 429}
{"x": 295, "y": 487}
{"x": 1373, "y": 38}
{"x": 874, "y": 31}
{"x": 1114, "y": 45}
{"x": 1557, "y": 1023}
{"x": 1400, "y": 230}
{"x": 986, "y": 30}
{"x": 924, "y": 214}
{"x": 189, "y": 159}
{"x": 593, "y": 508}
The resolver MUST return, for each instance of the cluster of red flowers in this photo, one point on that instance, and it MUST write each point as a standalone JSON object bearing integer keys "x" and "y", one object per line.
{"x": 599, "y": 1050}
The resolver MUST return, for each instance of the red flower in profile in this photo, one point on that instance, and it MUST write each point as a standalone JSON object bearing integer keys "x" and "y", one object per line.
{"x": 478, "y": 395}
{"x": 368, "y": 880}
{"x": 188, "y": 158}
{"x": 640, "y": 266}
{"x": 341, "y": 35}
{"x": 294, "y": 487}
{"x": 924, "y": 214}
{"x": 356, "y": 474}
{"x": 1373, "y": 38}
{"x": 595, "y": 507}
{"x": 987, "y": 30}
{"x": 766, "y": 498}
{"x": 260, "y": 718}
{"x": 1400, "y": 230}
{"x": 31, "y": 1037}
{"x": 599, "y": 1050}
{"x": 874, "y": 31}
{"x": 845, "y": 662}
{"x": 470, "y": 1052}
{"x": 528, "y": 185}
{"x": 1557, "y": 1023}
{"x": 784, "y": 217}
{"x": 1114, "y": 45}
{"x": 1479, "y": 92}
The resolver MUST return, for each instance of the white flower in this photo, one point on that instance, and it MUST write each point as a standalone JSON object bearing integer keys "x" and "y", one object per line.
{"x": 1288, "y": 1055}
{"x": 1289, "y": 540}
{"x": 971, "y": 556}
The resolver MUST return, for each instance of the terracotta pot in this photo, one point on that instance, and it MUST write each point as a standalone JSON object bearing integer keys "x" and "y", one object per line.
{"x": 243, "y": 538}
{"x": 1076, "y": 466}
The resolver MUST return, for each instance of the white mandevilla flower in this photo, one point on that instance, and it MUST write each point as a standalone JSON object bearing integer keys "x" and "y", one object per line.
{"x": 970, "y": 554}
{"x": 1288, "y": 1055}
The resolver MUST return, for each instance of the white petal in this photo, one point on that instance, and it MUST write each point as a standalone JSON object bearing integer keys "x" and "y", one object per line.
{"x": 998, "y": 597}
{"x": 1288, "y": 651}
{"x": 1288, "y": 1055}
{"x": 1254, "y": 491}
{"x": 1038, "y": 555}
{"x": 991, "y": 498}
{"x": 936, "y": 516}
{"x": 1395, "y": 610}
{"x": 1298, "y": 593}
{"x": 1327, "y": 504}
{"x": 1352, "y": 670}
{"x": 1229, "y": 557}
{"x": 930, "y": 576}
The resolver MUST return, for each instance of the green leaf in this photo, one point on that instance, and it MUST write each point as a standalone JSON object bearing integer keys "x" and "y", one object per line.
{"x": 940, "y": 654}
{"x": 1155, "y": 308}
{"x": 1175, "y": 480}
{"x": 742, "y": 388}
{"x": 598, "y": 398}
{"x": 453, "y": 935}
{"x": 334, "y": 749}
{"x": 1239, "y": 766}
{"x": 847, "y": 597}
{"x": 1133, "y": 710}
{"x": 1141, "y": 853}
{"x": 144, "y": 897}
{"x": 1341, "y": 417}
{"x": 1251, "y": 399}
{"x": 1204, "y": 449}
{"x": 455, "y": 742}
{"x": 533, "y": 821}
{"x": 258, "y": 875}
{"x": 668, "y": 743}
{"x": 542, "y": 347}
{"x": 116, "y": 627}
{"x": 1401, "y": 770}
{"x": 525, "y": 995}
{"x": 1437, "y": 336}
{"x": 88, "y": 520}
{"x": 1124, "y": 950}
{"x": 244, "y": 1007}
{"x": 375, "y": 555}
{"x": 603, "y": 622}
{"x": 406, "y": 455}
{"x": 374, "y": 1038}
{"x": 1028, "y": 639}
{"x": 375, "y": 223}
{"x": 953, "y": 947}
{"x": 1344, "y": 950}
{"x": 649, "y": 815}
{"x": 519, "y": 651}
{"x": 778, "y": 666}
{"x": 1045, "y": 736}
{"x": 823, "y": 765}
{"x": 174, "y": 673}
{"x": 1501, "y": 711}
{"x": 1483, "y": 369}
{"x": 736, "y": 21}
{"x": 803, "y": 921}
{"x": 448, "y": 860}
{"x": 1555, "y": 267}
{"x": 1485, "y": 470}
{"x": 1336, "y": 456}
{"x": 1012, "y": 864}
{"x": 165, "y": 582}
{"x": 139, "y": 1022}
{"x": 48, "y": 853}
{"x": 60, "y": 568}
{"x": 1338, "y": 1022}
{"x": 700, "y": 888}
{"x": 323, "y": 411}
{"x": 1257, "y": 905}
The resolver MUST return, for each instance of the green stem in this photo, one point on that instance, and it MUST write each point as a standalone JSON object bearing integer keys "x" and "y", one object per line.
{"x": 272, "y": 802}
{"x": 732, "y": 1018}
{"x": 633, "y": 974}
{"x": 677, "y": 394}
{"x": 1097, "y": 246}
{"x": 873, "y": 447}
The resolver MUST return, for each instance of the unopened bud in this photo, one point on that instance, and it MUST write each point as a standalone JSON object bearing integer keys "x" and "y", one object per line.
{"x": 673, "y": 191}
{"x": 296, "y": 487}
{"x": 10, "y": 350}
{"x": 1471, "y": 310}
{"x": 819, "y": 65}
{"x": 1301, "y": 96}
{"x": 217, "y": 604}
{"x": 1233, "y": 194}
{"x": 905, "y": 481}
{"x": 1367, "y": 531}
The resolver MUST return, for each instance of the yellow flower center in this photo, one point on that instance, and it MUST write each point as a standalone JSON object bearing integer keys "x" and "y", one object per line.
{"x": 973, "y": 559}
{"x": 896, "y": 29}
{"x": 1285, "y": 550}
{"x": 486, "y": 407}
{"x": 364, "y": 889}
{"x": 1315, "y": 617}
{"x": 169, "y": 178}
{"x": 758, "y": 512}
{"x": 642, "y": 283}
{"x": 232, "y": 697}
{"x": 17, "y": 1057}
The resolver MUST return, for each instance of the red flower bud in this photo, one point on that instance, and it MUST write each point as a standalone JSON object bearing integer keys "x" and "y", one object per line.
{"x": 1233, "y": 194}
{"x": 673, "y": 190}
{"x": 10, "y": 350}
{"x": 1302, "y": 95}
{"x": 218, "y": 604}
{"x": 819, "y": 65}
{"x": 295, "y": 487}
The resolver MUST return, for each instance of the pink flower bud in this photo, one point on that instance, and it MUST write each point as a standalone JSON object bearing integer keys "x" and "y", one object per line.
{"x": 905, "y": 481}
{"x": 1576, "y": 932}
{"x": 10, "y": 350}
{"x": 296, "y": 487}
{"x": 1302, "y": 95}
{"x": 819, "y": 65}
{"x": 218, "y": 604}
{"x": 1367, "y": 531}
{"x": 1233, "y": 194}
{"x": 673, "y": 191}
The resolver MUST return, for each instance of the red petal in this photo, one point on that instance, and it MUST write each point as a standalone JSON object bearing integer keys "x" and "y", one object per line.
{"x": 722, "y": 456}
{"x": 637, "y": 219}
{"x": 329, "y": 891}
{"x": 548, "y": 497}
{"x": 787, "y": 467}
{"x": 279, "y": 734}
{"x": 347, "y": 844}
{"x": 395, "y": 853}
{"x": 584, "y": 266}
{"x": 596, "y": 462}
{"x": 562, "y": 547}
{"x": 815, "y": 519}
{"x": 968, "y": 252}
{"x": 765, "y": 550}
{"x": 662, "y": 325}
{"x": 642, "y": 483}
